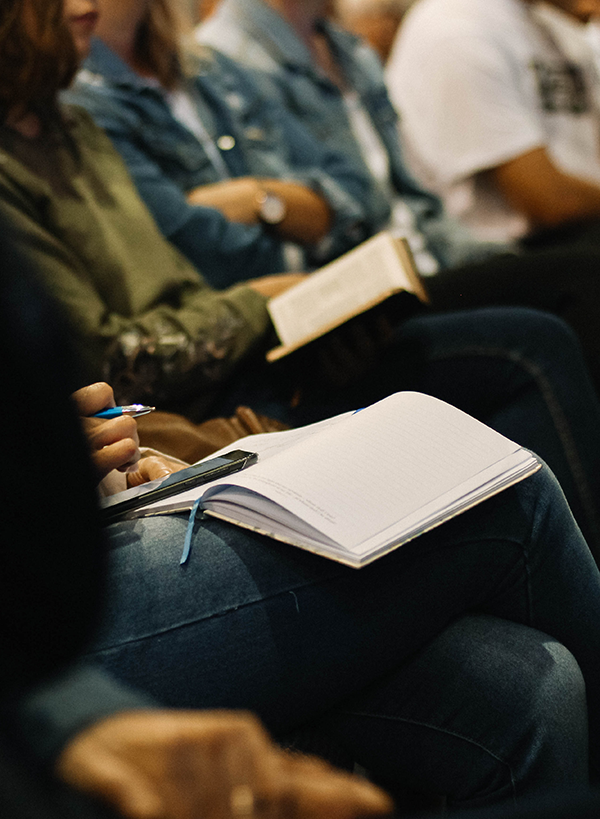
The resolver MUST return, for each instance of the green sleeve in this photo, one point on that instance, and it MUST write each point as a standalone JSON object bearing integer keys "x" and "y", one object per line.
{"x": 186, "y": 340}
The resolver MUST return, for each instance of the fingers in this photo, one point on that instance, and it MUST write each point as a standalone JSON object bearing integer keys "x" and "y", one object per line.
{"x": 214, "y": 765}
{"x": 270, "y": 286}
{"x": 114, "y": 444}
{"x": 93, "y": 398}
{"x": 219, "y": 777}
{"x": 319, "y": 791}
{"x": 151, "y": 469}
{"x": 113, "y": 779}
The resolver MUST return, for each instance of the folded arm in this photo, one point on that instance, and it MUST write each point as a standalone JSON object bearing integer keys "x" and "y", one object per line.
{"x": 307, "y": 220}
{"x": 548, "y": 196}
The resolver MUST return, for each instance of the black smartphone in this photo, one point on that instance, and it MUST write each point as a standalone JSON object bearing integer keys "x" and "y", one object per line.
{"x": 117, "y": 505}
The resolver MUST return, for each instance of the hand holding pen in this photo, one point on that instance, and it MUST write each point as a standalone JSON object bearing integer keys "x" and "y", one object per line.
{"x": 113, "y": 441}
{"x": 113, "y": 437}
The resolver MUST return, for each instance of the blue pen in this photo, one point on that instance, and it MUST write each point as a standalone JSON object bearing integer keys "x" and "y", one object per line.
{"x": 115, "y": 412}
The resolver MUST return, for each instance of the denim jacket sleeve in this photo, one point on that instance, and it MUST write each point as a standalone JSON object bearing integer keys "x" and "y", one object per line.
{"x": 165, "y": 162}
{"x": 276, "y": 143}
{"x": 340, "y": 165}
{"x": 296, "y": 155}
{"x": 226, "y": 252}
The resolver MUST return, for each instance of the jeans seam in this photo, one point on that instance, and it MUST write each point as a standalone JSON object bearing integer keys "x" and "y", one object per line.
{"x": 561, "y": 424}
{"x": 193, "y": 622}
{"x": 436, "y": 728}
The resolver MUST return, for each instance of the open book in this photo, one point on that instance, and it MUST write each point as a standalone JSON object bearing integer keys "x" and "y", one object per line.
{"x": 348, "y": 286}
{"x": 359, "y": 485}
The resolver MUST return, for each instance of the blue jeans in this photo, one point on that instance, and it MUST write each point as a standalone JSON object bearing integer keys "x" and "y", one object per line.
{"x": 520, "y": 371}
{"x": 483, "y": 707}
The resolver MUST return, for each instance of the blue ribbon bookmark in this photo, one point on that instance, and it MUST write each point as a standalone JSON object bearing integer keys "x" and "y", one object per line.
{"x": 187, "y": 544}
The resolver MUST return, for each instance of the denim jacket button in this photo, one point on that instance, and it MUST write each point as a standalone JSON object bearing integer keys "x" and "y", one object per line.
{"x": 226, "y": 142}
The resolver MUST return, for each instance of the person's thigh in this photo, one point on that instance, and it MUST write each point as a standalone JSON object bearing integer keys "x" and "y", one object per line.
{"x": 487, "y": 711}
{"x": 248, "y": 622}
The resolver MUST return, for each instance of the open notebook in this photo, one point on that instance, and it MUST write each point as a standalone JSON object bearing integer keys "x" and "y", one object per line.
{"x": 359, "y": 485}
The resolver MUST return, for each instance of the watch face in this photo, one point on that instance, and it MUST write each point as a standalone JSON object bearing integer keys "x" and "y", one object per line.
{"x": 272, "y": 209}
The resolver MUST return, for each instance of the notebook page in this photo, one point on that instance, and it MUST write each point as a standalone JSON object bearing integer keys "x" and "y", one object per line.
{"x": 265, "y": 444}
{"x": 380, "y": 465}
{"x": 339, "y": 289}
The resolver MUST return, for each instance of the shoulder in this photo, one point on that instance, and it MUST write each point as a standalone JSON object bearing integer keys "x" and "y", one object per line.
{"x": 86, "y": 133}
{"x": 431, "y": 21}
{"x": 459, "y": 36}
{"x": 111, "y": 105}
{"x": 228, "y": 36}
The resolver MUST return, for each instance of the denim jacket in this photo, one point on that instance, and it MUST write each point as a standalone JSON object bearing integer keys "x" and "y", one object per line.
{"x": 254, "y": 137}
{"x": 253, "y": 33}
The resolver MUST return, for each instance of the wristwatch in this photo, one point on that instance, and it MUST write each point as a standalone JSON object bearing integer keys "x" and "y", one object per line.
{"x": 271, "y": 208}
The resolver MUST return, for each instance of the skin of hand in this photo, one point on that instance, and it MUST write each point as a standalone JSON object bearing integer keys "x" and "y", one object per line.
{"x": 583, "y": 10}
{"x": 209, "y": 764}
{"x": 235, "y": 198}
{"x": 270, "y": 286}
{"x": 151, "y": 468}
{"x": 115, "y": 443}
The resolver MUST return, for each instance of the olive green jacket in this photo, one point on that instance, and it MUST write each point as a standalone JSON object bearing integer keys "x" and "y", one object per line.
{"x": 145, "y": 318}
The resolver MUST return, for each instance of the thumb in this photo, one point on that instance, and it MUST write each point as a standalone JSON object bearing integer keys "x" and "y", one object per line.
{"x": 148, "y": 469}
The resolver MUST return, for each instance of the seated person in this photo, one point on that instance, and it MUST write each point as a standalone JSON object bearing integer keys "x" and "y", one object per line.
{"x": 499, "y": 108}
{"x": 232, "y": 180}
{"x": 335, "y": 85}
{"x": 332, "y": 83}
{"x": 102, "y": 738}
{"x": 117, "y": 744}
{"x": 147, "y": 322}
{"x": 483, "y": 707}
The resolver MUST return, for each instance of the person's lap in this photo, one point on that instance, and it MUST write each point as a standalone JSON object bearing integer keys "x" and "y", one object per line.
{"x": 558, "y": 271}
{"x": 251, "y": 623}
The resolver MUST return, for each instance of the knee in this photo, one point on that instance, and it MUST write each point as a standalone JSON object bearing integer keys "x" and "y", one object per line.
{"x": 536, "y": 690}
{"x": 525, "y": 708}
{"x": 548, "y": 337}
{"x": 558, "y": 693}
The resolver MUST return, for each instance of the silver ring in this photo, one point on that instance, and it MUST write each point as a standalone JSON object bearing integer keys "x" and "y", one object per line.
{"x": 241, "y": 801}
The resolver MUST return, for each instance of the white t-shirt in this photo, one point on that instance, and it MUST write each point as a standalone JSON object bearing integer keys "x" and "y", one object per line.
{"x": 480, "y": 82}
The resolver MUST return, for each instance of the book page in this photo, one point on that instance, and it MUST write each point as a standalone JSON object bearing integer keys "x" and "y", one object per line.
{"x": 375, "y": 468}
{"x": 358, "y": 278}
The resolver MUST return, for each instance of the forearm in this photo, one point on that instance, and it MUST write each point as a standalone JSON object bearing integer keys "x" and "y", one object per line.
{"x": 184, "y": 353}
{"x": 308, "y": 216}
{"x": 307, "y": 219}
{"x": 549, "y": 197}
